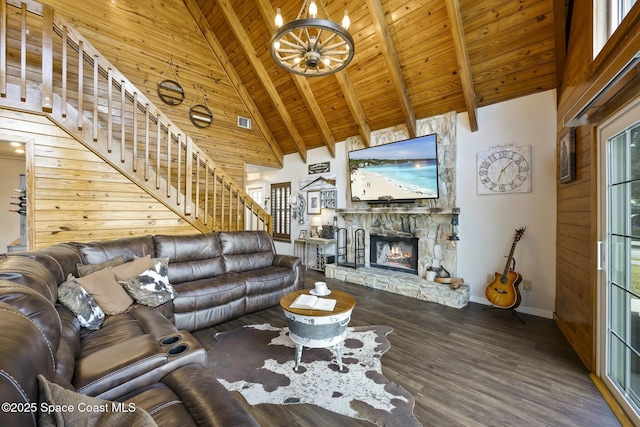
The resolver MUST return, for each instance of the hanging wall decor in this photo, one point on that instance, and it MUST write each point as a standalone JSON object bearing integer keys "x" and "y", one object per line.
{"x": 170, "y": 91}
{"x": 567, "y": 156}
{"x": 200, "y": 114}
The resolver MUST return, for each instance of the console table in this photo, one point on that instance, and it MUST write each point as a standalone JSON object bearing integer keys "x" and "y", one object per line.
{"x": 318, "y": 252}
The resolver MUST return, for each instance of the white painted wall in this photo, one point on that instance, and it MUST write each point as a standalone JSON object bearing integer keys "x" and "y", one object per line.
{"x": 10, "y": 171}
{"x": 294, "y": 169}
{"x": 487, "y": 223}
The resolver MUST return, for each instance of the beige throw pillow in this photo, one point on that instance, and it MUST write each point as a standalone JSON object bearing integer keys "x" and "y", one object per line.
{"x": 86, "y": 269}
{"x": 132, "y": 269}
{"x": 106, "y": 291}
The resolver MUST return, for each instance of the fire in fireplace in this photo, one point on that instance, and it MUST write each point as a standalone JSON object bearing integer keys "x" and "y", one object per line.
{"x": 394, "y": 253}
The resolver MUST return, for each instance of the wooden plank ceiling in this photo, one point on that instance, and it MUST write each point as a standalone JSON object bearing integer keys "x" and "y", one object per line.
{"x": 413, "y": 59}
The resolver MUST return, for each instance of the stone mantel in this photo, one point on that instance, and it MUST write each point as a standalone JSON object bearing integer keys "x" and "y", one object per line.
{"x": 427, "y": 220}
{"x": 398, "y": 210}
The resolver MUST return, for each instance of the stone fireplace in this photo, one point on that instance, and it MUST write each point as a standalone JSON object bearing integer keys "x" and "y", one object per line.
{"x": 426, "y": 224}
{"x": 426, "y": 228}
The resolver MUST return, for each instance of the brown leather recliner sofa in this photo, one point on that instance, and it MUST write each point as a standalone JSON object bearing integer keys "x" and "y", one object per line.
{"x": 143, "y": 358}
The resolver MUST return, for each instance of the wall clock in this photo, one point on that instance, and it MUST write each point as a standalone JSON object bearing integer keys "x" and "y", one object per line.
{"x": 504, "y": 170}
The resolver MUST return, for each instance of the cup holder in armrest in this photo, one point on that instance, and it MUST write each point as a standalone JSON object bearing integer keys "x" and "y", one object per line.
{"x": 179, "y": 349}
{"x": 170, "y": 340}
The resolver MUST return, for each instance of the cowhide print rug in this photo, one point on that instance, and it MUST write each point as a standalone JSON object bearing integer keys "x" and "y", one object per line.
{"x": 258, "y": 361}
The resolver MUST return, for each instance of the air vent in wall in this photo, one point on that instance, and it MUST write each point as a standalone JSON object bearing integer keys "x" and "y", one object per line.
{"x": 244, "y": 122}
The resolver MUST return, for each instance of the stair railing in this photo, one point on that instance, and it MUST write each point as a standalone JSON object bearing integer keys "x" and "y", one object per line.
{"x": 71, "y": 82}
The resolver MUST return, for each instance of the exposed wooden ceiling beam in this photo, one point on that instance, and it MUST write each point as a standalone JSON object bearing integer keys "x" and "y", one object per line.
{"x": 354, "y": 106}
{"x": 560, "y": 33}
{"x": 303, "y": 86}
{"x": 261, "y": 72}
{"x": 457, "y": 30}
{"x": 316, "y": 113}
{"x": 234, "y": 78}
{"x": 389, "y": 53}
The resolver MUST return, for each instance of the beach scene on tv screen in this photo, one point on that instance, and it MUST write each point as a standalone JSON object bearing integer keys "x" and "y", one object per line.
{"x": 401, "y": 170}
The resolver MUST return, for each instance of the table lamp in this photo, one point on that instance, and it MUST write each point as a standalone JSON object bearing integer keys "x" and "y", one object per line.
{"x": 316, "y": 222}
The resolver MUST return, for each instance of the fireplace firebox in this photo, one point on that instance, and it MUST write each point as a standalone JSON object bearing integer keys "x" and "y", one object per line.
{"x": 394, "y": 253}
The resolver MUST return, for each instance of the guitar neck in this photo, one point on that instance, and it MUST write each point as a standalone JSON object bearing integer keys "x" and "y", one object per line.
{"x": 506, "y": 267}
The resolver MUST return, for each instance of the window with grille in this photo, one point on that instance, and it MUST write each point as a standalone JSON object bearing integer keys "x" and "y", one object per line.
{"x": 256, "y": 194}
{"x": 281, "y": 210}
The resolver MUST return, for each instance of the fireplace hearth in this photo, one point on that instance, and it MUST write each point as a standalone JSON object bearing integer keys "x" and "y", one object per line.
{"x": 394, "y": 253}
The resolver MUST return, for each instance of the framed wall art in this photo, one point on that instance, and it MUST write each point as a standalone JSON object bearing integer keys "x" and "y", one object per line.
{"x": 313, "y": 202}
{"x": 567, "y": 156}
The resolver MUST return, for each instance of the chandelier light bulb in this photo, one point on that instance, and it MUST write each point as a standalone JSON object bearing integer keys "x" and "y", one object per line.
{"x": 277, "y": 44}
{"x": 346, "y": 21}
{"x": 279, "y": 20}
{"x": 326, "y": 61}
{"x": 297, "y": 59}
{"x": 313, "y": 9}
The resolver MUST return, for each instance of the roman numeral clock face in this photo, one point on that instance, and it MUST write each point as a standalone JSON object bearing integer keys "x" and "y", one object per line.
{"x": 505, "y": 170}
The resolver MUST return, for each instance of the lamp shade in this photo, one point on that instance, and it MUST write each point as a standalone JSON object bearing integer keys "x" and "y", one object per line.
{"x": 316, "y": 221}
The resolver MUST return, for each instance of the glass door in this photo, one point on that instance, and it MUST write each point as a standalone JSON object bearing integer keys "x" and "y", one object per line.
{"x": 619, "y": 280}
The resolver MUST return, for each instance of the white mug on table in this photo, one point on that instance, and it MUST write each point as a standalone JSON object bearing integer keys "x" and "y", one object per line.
{"x": 321, "y": 288}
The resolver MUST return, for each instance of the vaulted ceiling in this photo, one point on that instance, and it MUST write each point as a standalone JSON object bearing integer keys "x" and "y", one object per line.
{"x": 413, "y": 59}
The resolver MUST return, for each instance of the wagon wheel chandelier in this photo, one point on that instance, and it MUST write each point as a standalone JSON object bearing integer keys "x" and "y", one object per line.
{"x": 312, "y": 46}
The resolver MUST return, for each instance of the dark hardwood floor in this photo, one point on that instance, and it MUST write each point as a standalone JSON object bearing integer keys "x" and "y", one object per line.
{"x": 464, "y": 367}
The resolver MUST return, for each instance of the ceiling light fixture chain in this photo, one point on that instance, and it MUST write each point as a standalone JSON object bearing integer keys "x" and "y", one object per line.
{"x": 312, "y": 46}
{"x": 302, "y": 9}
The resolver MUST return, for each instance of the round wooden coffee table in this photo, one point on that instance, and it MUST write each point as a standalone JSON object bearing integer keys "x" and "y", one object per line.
{"x": 317, "y": 328}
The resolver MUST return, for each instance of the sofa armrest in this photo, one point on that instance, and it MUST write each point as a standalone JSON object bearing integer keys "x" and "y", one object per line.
{"x": 181, "y": 349}
{"x": 112, "y": 366}
{"x": 209, "y": 402}
{"x": 286, "y": 261}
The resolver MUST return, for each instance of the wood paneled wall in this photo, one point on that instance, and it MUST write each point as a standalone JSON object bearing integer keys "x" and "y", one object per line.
{"x": 154, "y": 33}
{"x": 75, "y": 195}
{"x": 576, "y": 282}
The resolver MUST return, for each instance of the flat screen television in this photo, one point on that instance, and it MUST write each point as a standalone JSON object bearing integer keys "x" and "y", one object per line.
{"x": 400, "y": 171}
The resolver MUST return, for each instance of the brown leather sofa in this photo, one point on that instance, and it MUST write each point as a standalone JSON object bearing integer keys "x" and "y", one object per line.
{"x": 143, "y": 358}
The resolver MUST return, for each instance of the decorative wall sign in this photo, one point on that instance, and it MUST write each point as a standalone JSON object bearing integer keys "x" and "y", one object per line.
{"x": 503, "y": 170}
{"x": 200, "y": 114}
{"x": 567, "y": 156}
{"x": 319, "y": 168}
{"x": 297, "y": 207}
{"x": 170, "y": 91}
{"x": 323, "y": 182}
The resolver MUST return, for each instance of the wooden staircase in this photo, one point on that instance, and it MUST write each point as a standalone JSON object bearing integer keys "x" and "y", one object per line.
{"x": 69, "y": 81}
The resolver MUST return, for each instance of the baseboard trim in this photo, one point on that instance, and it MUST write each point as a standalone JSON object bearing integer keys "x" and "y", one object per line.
{"x": 611, "y": 401}
{"x": 521, "y": 309}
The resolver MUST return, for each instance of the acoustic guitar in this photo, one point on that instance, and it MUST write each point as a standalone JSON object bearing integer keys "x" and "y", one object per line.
{"x": 503, "y": 292}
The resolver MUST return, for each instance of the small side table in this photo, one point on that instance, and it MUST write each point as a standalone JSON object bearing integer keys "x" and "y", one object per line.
{"x": 317, "y": 252}
{"x": 317, "y": 328}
